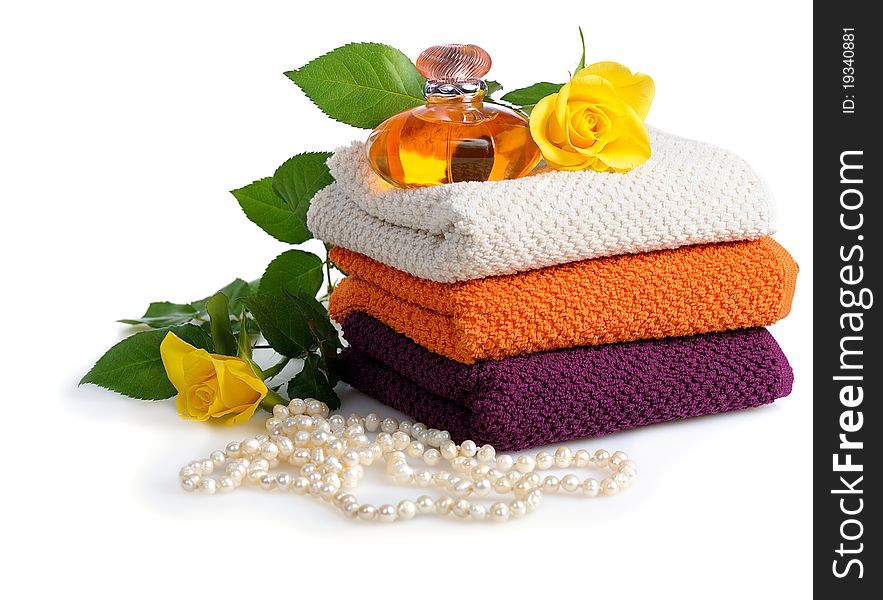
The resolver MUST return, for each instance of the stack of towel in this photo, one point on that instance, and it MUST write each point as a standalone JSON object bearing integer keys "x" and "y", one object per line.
{"x": 561, "y": 305}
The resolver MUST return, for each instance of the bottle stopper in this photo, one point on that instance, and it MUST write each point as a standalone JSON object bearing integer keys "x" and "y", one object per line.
{"x": 454, "y": 63}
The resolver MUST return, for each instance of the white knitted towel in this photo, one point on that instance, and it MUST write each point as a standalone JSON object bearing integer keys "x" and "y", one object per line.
{"x": 687, "y": 193}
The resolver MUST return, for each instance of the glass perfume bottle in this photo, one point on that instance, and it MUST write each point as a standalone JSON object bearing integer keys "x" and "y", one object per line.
{"x": 455, "y": 136}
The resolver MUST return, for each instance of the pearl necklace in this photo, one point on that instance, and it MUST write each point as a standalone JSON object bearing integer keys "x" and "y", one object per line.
{"x": 331, "y": 452}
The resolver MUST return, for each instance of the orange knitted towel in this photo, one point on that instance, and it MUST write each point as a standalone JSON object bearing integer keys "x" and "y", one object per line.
{"x": 693, "y": 289}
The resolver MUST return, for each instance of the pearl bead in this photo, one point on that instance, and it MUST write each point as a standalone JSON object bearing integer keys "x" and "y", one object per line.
{"x": 533, "y": 479}
{"x": 462, "y": 488}
{"x": 367, "y": 512}
{"x": 601, "y": 457}
{"x": 503, "y": 486}
{"x": 301, "y": 438}
{"x": 300, "y": 457}
{"x": 331, "y": 452}
{"x": 448, "y": 450}
{"x": 233, "y": 449}
{"x": 386, "y": 513}
{"x": 208, "y": 485}
{"x": 609, "y": 487}
{"x": 191, "y": 483}
{"x": 250, "y": 447}
{"x": 533, "y": 500}
{"x": 522, "y": 489}
{"x": 563, "y": 457}
{"x": 478, "y": 512}
{"x": 524, "y": 464}
{"x": 286, "y": 447}
{"x": 628, "y": 463}
{"x": 337, "y": 423}
{"x": 416, "y": 449}
{"x": 406, "y": 510}
{"x": 545, "y": 461}
{"x": 300, "y": 485}
{"x": 432, "y": 457}
{"x": 482, "y": 487}
{"x": 468, "y": 448}
{"x": 422, "y": 477}
{"x": 425, "y": 504}
{"x": 518, "y": 508}
{"x": 500, "y": 511}
{"x": 504, "y": 462}
{"x": 551, "y": 484}
{"x": 444, "y": 504}
{"x": 617, "y": 458}
{"x": 461, "y": 508}
{"x": 570, "y": 483}
{"x": 372, "y": 422}
{"x": 269, "y": 450}
{"x": 622, "y": 479}
{"x": 486, "y": 453}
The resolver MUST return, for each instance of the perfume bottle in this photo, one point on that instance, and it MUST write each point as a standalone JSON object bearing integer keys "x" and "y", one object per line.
{"x": 455, "y": 136}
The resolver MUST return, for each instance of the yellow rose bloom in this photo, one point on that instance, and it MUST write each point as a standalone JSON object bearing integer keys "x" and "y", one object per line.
{"x": 211, "y": 386}
{"x": 596, "y": 120}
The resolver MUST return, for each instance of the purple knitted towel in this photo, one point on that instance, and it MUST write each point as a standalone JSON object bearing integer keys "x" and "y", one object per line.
{"x": 561, "y": 395}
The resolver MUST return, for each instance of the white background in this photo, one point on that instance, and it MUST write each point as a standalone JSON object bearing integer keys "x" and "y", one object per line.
{"x": 122, "y": 128}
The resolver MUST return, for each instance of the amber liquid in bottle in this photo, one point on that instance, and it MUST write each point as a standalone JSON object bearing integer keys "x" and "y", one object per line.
{"x": 449, "y": 140}
{"x": 456, "y": 135}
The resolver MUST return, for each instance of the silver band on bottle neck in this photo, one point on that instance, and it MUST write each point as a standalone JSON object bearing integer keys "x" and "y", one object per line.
{"x": 452, "y": 90}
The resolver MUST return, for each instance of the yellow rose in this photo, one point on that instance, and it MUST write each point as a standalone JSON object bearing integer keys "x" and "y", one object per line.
{"x": 211, "y": 386}
{"x": 596, "y": 120}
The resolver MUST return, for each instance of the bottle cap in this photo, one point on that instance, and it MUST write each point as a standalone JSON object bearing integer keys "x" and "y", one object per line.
{"x": 454, "y": 63}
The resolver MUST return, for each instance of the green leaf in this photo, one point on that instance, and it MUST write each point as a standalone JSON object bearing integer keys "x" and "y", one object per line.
{"x": 296, "y": 181}
{"x": 242, "y": 337}
{"x": 582, "y": 59}
{"x": 361, "y": 84}
{"x": 323, "y": 330}
{"x": 164, "y": 314}
{"x": 493, "y": 87}
{"x": 235, "y": 291}
{"x": 293, "y": 270}
{"x": 526, "y": 98}
{"x": 283, "y": 325}
{"x": 312, "y": 383}
{"x": 133, "y": 367}
{"x": 222, "y": 332}
{"x": 317, "y": 317}
{"x": 266, "y": 209}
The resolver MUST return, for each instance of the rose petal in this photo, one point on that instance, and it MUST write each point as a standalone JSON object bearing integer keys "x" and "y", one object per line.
{"x": 631, "y": 147}
{"x": 542, "y": 120}
{"x": 637, "y": 90}
{"x": 172, "y": 350}
{"x": 237, "y": 386}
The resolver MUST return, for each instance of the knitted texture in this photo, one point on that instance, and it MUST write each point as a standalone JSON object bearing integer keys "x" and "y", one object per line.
{"x": 694, "y": 289}
{"x": 565, "y": 394}
{"x": 686, "y": 193}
